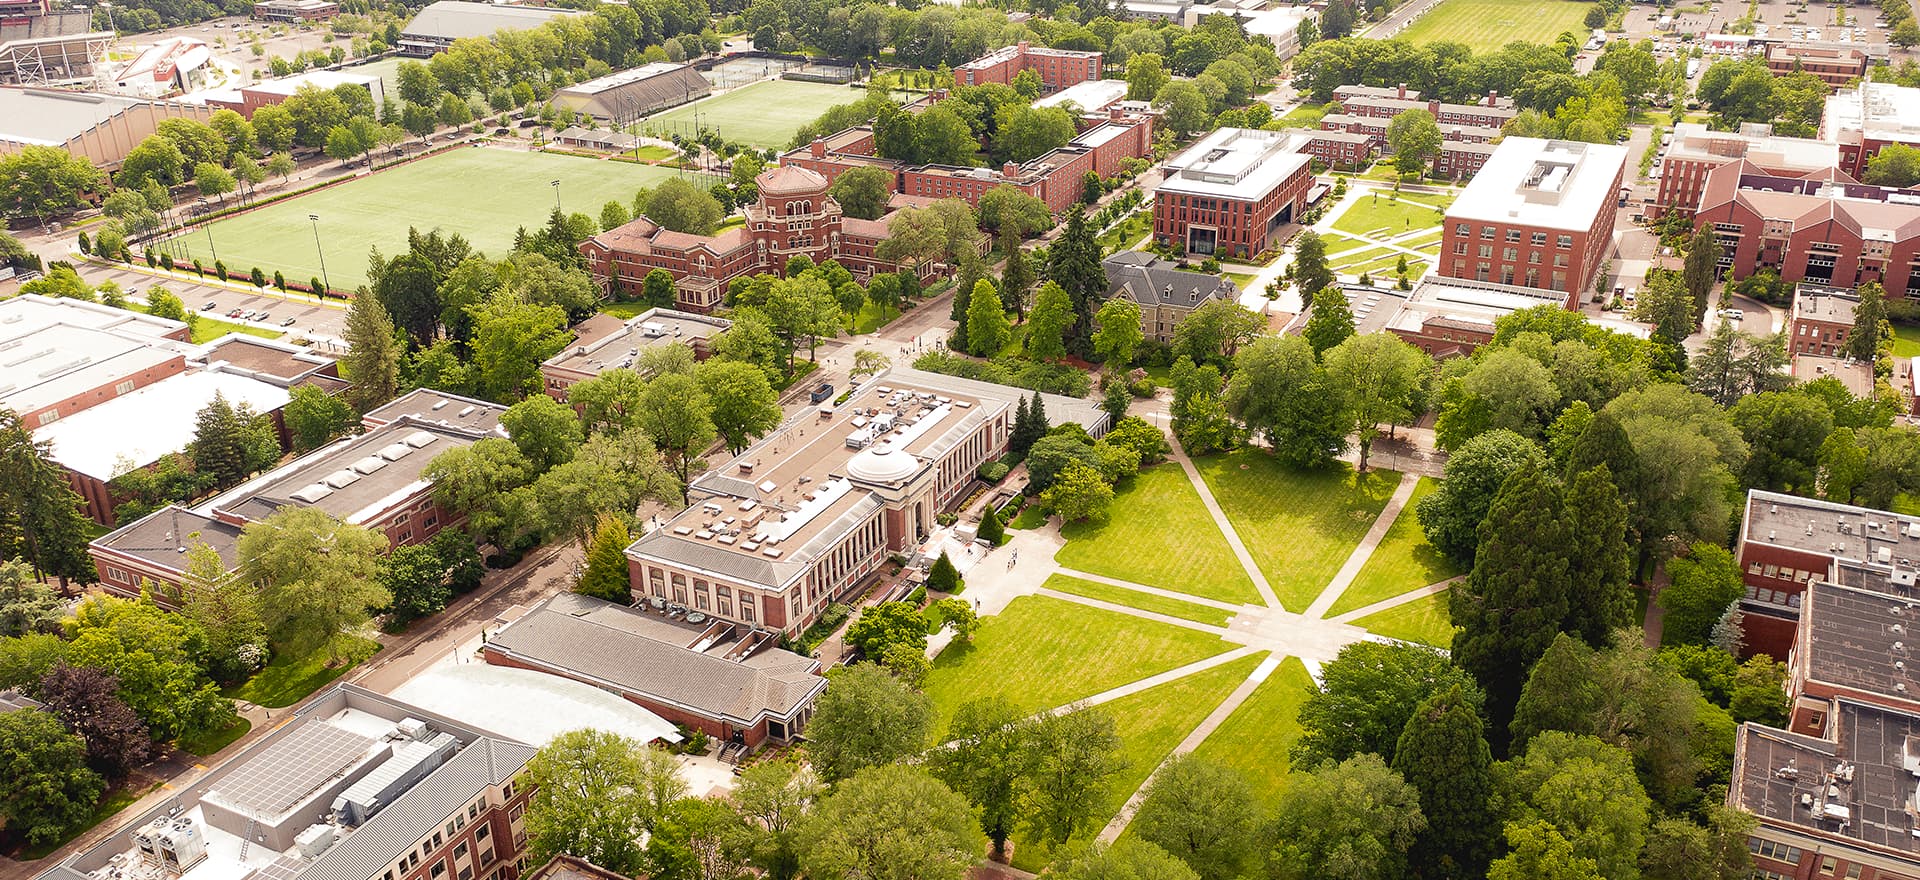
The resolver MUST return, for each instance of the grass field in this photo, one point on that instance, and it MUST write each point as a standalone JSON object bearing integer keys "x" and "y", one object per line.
{"x": 1403, "y": 560}
{"x": 1042, "y": 652}
{"x": 1485, "y": 25}
{"x": 1305, "y": 116}
{"x": 207, "y": 329}
{"x": 1337, "y": 243}
{"x": 1135, "y": 599}
{"x": 1906, "y": 340}
{"x": 483, "y": 194}
{"x": 1388, "y": 217}
{"x": 387, "y": 69}
{"x": 215, "y": 740}
{"x": 1300, "y": 526}
{"x": 764, "y": 114}
{"x": 1150, "y": 724}
{"x": 1130, "y": 544}
{"x": 287, "y": 678}
{"x": 1255, "y": 738}
{"x": 1423, "y": 620}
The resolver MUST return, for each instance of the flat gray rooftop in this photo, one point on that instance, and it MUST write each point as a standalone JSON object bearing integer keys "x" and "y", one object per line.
{"x": 1779, "y": 768}
{"x": 50, "y": 118}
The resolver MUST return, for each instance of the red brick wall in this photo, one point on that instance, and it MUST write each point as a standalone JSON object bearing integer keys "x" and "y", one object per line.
{"x": 106, "y": 391}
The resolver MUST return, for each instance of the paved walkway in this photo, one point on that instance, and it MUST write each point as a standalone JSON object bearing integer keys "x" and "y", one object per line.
{"x": 1226, "y": 528}
{"x": 1153, "y": 681}
{"x": 1168, "y": 619}
{"x": 1157, "y": 591}
{"x": 1396, "y": 601}
{"x": 1358, "y": 558}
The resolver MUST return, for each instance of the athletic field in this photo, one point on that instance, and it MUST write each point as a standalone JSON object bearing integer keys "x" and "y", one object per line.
{"x": 1489, "y": 24}
{"x": 765, "y": 114}
{"x": 481, "y": 193}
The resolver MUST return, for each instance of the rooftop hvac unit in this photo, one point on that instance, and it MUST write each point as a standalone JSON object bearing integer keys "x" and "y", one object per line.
{"x": 174, "y": 843}
{"x": 410, "y": 763}
{"x": 316, "y": 839}
{"x": 412, "y": 728}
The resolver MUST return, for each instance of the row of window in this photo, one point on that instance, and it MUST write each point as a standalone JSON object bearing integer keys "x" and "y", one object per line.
{"x": 1538, "y": 239}
{"x": 722, "y": 594}
{"x": 1511, "y": 255}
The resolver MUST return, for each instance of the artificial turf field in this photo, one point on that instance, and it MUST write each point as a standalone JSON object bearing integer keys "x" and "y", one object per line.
{"x": 484, "y": 194}
{"x": 1485, "y": 25}
{"x": 765, "y": 114}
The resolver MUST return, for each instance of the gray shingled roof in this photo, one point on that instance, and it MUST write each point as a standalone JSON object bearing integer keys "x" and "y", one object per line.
{"x": 580, "y": 635}
{"x": 366, "y": 852}
{"x": 1147, "y": 279}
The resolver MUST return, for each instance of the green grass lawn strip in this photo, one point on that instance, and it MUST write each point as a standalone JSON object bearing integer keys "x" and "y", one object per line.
{"x": 1403, "y": 561}
{"x": 764, "y": 114}
{"x": 1255, "y": 739}
{"x": 1304, "y": 116}
{"x": 207, "y": 329}
{"x": 1151, "y": 723}
{"x": 1906, "y": 340}
{"x": 215, "y": 740}
{"x": 1486, "y": 25}
{"x": 287, "y": 679}
{"x": 1337, "y": 243}
{"x": 1381, "y": 215}
{"x": 1300, "y": 526}
{"x": 1157, "y": 533}
{"x": 1136, "y": 599}
{"x": 1043, "y": 652}
{"x": 484, "y": 194}
{"x": 1424, "y": 620}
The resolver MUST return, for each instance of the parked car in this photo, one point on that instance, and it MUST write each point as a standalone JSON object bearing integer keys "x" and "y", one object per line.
{"x": 822, "y": 393}
{"x": 286, "y": 322}
{"x": 236, "y": 313}
{"x": 210, "y": 306}
{"x": 262, "y": 317}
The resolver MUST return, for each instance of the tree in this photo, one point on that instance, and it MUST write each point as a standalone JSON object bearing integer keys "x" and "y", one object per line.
{"x": 943, "y": 577}
{"x": 881, "y": 627}
{"x": 230, "y": 442}
{"x": 656, "y": 289}
{"x": 1052, "y": 315}
{"x": 1367, "y": 694}
{"x": 678, "y": 414}
{"x": 1702, "y": 584}
{"x": 1681, "y": 850}
{"x": 1010, "y": 212}
{"x": 342, "y": 146}
{"x": 987, "y": 761}
{"x": 1588, "y": 792}
{"x": 43, "y": 182}
{"x": 890, "y": 821}
{"x": 1029, "y": 425}
{"x": 1758, "y": 691}
{"x": 1896, "y": 165}
{"x": 606, "y": 572}
{"x": 1601, "y": 561}
{"x": 1536, "y": 851}
{"x": 1124, "y": 859}
{"x": 1146, "y": 76}
{"x": 1378, "y": 375}
{"x": 545, "y": 431}
{"x": 279, "y": 164}
{"x": 40, "y": 519}
{"x": 595, "y": 794}
{"x": 213, "y": 181}
{"x": 1119, "y": 332}
{"x": 681, "y": 206}
{"x": 1444, "y": 756}
{"x": 866, "y": 718}
{"x": 88, "y": 703}
{"x": 1078, "y": 493}
{"x": 315, "y": 418}
{"x": 47, "y": 788}
{"x": 510, "y": 340}
{"x": 1311, "y": 273}
{"x": 1701, "y": 268}
{"x": 1182, "y": 106}
{"x": 1076, "y": 756}
{"x": 775, "y": 796}
{"x": 1015, "y": 278}
{"x": 1201, "y": 813}
{"x": 1869, "y": 323}
{"x": 1355, "y": 819}
{"x": 227, "y": 611}
{"x": 1216, "y": 331}
{"x": 155, "y": 655}
{"x": 745, "y": 406}
{"x": 1684, "y": 453}
{"x": 987, "y": 328}
{"x": 1784, "y": 430}
{"x": 1414, "y": 137}
{"x": 1025, "y": 132}
{"x": 26, "y": 604}
{"x": 372, "y": 361}
{"x": 1451, "y": 516}
{"x": 613, "y": 215}
{"x": 318, "y": 577}
{"x": 417, "y": 580}
{"x": 1280, "y": 391}
{"x": 1073, "y": 262}
{"x": 1514, "y": 600}
{"x": 1331, "y": 321}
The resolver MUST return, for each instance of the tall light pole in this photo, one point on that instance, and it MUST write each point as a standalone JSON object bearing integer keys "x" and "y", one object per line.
{"x": 556, "y": 194}
{"x": 324, "y": 280}
{"x": 209, "y": 228}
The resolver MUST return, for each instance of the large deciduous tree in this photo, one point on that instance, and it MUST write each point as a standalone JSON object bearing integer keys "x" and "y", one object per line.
{"x": 1379, "y": 376}
{"x": 318, "y": 577}
{"x": 1365, "y": 697}
{"x": 866, "y": 718}
{"x": 987, "y": 760}
{"x": 45, "y": 786}
{"x": 1203, "y": 814}
{"x": 1356, "y": 820}
{"x": 1280, "y": 391}
{"x": 890, "y": 821}
{"x": 595, "y": 795}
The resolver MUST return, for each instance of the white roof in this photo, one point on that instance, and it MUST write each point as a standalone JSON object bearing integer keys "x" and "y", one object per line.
{"x": 1692, "y": 139}
{"x": 138, "y": 428}
{"x": 1884, "y": 110}
{"x": 1094, "y": 94}
{"x": 1240, "y": 163}
{"x": 1276, "y": 24}
{"x": 52, "y": 350}
{"x": 622, "y": 77}
{"x": 532, "y": 707}
{"x": 1544, "y": 184}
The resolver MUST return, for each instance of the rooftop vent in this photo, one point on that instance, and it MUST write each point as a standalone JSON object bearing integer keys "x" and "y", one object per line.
{"x": 312, "y": 493}
{"x": 368, "y": 465}
{"x": 417, "y": 439}
{"x": 341, "y": 479}
{"x": 394, "y": 451}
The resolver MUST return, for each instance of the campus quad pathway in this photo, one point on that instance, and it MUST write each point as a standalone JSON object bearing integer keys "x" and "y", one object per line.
{"x": 1268, "y": 627}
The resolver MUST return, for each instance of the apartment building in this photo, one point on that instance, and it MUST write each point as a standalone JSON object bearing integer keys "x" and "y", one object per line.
{"x": 1863, "y": 119}
{"x": 1492, "y": 111}
{"x": 1232, "y": 192}
{"x": 1834, "y": 65}
{"x": 1058, "y": 68}
{"x": 1540, "y": 214}
{"x": 1824, "y": 229}
{"x": 1697, "y": 150}
{"x": 1820, "y": 321}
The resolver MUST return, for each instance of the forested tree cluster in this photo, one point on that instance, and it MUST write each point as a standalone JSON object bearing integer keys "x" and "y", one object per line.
{"x": 1302, "y": 402}
{"x": 1745, "y": 91}
{"x": 1075, "y": 476}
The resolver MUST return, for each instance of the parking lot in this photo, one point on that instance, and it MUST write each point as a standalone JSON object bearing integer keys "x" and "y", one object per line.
{"x": 308, "y": 319}
{"x": 236, "y": 33}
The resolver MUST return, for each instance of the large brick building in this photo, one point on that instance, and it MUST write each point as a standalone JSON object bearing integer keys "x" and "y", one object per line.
{"x": 1540, "y": 214}
{"x": 1058, "y": 68}
{"x": 1492, "y": 111}
{"x": 809, "y": 514}
{"x": 1834, "y": 65}
{"x": 1697, "y": 150}
{"x": 1863, "y": 119}
{"x": 604, "y": 342}
{"x": 1822, "y": 229}
{"x": 793, "y": 217}
{"x": 1233, "y": 192}
{"x": 1821, "y": 320}
{"x": 1165, "y": 293}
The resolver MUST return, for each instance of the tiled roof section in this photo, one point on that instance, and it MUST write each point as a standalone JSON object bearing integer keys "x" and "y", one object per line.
{"x": 158, "y": 537}
{"x": 366, "y": 852}
{"x": 630, "y": 650}
{"x": 782, "y": 179}
{"x": 1150, "y": 280}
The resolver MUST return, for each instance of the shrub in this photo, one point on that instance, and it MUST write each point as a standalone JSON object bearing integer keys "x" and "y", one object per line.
{"x": 993, "y": 471}
{"x": 258, "y": 277}
{"x": 918, "y": 597}
{"x": 220, "y": 269}
{"x": 166, "y": 262}
{"x": 279, "y": 280}
{"x": 86, "y": 246}
{"x": 151, "y": 260}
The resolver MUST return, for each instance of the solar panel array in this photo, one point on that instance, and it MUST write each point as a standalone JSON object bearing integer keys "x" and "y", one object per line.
{"x": 293, "y": 768}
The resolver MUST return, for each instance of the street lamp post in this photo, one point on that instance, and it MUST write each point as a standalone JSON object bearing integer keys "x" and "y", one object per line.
{"x": 556, "y": 194}
{"x": 325, "y": 282}
{"x": 209, "y": 228}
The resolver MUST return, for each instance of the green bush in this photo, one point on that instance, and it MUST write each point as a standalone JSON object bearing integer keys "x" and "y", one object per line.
{"x": 918, "y": 597}
{"x": 993, "y": 471}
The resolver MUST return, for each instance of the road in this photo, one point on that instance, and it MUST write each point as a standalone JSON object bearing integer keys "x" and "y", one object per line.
{"x": 1398, "y": 20}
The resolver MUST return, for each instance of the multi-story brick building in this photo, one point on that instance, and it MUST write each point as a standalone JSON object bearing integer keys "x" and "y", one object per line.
{"x": 807, "y": 515}
{"x": 1344, "y": 150}
{"x": 1539, "y": 214}
{"x": 793, "y": 217}
{"x": 1461, "y": 159}
{"x": 1463, "y": 148}
{"x": 1233, "y": 192}
{"x": 1834, "y": 65}
{"x": 352, "y": 786}
{"x": 1863, "y": 119}
{"x": 1821, "y": 229}
{"x": 1058, "y": 68}
{"x": 1697, "y": 150}
{"x": 1107, "y": 141}
{"x": 603, "y": 343}
{"x": 1788, "y": 541}
{"x": 295, "y": 10}
{"x": 373, "y": 480}
{"x": 1821, "y": 319}
{"x": 1492, "y": 111}
{"x": 1165, "y": 293}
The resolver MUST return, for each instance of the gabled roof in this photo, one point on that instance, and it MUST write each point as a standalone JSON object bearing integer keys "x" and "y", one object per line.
{"x": 1150, "y": 281}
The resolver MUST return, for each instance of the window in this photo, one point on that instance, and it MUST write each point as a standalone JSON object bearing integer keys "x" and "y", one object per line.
{"x": 1486, "y": 232}
{"x": 482, "y": 831}
{"x": 1513, "y": 235}
{"x": 1509, "y": 254}
{"x": 1486, "y": 252}
{"x": 1768, "y": 849}
{"x": 1828, "y": 864}
{"x": 1462, "y": 229}
{"x": 1540, "y": 239}
{"x": 119, "y": 575}
{"x": 438, "y": 870}
{"x": 1566, "y": 241}
{"x": 460, "y": 850}
{"x": 49, "y": 417}
{"x": 124, "y": 387}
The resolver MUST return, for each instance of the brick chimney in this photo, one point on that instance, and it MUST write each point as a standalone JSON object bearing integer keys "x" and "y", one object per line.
{"x": 1010, "y": 169}
{"x": 1023, "y": 47}
{"x": 1433, "y": 106}
{"x": 1113, "y": 112}
{"x": 818, "y": 149}
{"x": 1493, "y": 98}
{"x": 1403, "y": 92}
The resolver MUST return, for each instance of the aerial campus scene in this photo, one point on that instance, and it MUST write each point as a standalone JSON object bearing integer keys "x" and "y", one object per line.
{"x": 1123, "y": 439}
